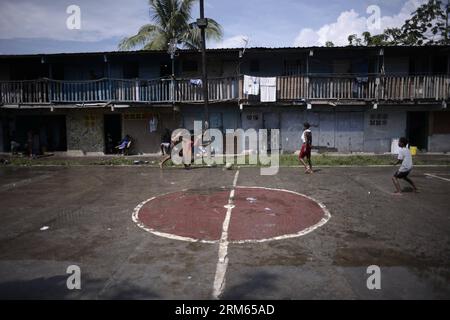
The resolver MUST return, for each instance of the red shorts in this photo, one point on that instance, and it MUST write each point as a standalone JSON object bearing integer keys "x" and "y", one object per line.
{"x": 305, "y": 151}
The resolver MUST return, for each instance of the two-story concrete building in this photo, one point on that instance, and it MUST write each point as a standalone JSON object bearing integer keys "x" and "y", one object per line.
{"x": 358, "y": 99}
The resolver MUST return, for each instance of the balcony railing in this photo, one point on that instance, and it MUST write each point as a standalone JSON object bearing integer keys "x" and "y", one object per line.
{"x": 29, "y": 91}
{"x": 364, "y": 87}
{"x": 289, "y": 88}
{"x": 45, "y": 91}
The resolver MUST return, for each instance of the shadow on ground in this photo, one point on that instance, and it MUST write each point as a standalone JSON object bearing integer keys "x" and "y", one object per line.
{"x": 255, "y": 283}
{"x": 55, "y": 288}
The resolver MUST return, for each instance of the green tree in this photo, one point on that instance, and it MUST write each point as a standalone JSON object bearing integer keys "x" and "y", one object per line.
{"x": 374, "y": 40}
{"x": 392, "y": 36}
{"x": 427, "y": 25}
{"x": 329, "y": 44}
{"x": 171, "y": 20}
{"x": 353, "y": 40}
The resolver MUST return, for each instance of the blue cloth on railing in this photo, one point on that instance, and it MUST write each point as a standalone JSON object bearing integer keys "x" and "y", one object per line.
{"x": 358, "y": 84}
{"x": 196, "y": 82}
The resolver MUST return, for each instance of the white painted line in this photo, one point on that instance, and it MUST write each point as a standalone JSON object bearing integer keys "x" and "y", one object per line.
{"x": 327, "y": 216}
{"x": 222, "y": 263}
{"x": 437, "y": 177}
{"x": 322, "y": 221}
{"x": 135, "y": 217}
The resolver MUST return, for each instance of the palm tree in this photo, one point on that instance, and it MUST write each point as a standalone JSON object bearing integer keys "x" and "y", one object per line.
{"x": 170, "y": 21}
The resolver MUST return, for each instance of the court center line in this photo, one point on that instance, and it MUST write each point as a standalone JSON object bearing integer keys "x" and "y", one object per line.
{"x": 437, "y": 177}
{"x": 222, "y": 263}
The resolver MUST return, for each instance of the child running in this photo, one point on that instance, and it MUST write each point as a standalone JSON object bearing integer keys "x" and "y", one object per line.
{"x": 177, "y": 139}
{"x": 306, "y": 148}
{"x": 173, "y": 141}
{"x": 404, "y": 157}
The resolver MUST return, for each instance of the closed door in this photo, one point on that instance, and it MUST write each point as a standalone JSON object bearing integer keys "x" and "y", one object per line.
{"x": 326, "y": 130}
{"x": 252, "y": 120}
{"x": 349, "y": 131}
{"x": 271, "y": 120}
{"x": 190, "y": 118}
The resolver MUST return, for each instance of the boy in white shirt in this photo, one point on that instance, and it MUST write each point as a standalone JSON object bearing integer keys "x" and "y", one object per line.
{"x": 404, "y": 157}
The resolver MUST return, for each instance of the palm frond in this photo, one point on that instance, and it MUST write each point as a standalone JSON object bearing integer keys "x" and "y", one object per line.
{"x": 214, "y": 30}
{"x": 145, "y": 34}
{"x": 159, "y": 42}
{"x": 186, "y": 8}
{"x": 159, "y": 12}
{"x": 191, "y": 39}
{"x": 170, "y": 21}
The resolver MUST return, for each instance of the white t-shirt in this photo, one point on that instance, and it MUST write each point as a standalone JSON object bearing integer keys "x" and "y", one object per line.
{"x": 405, "y": 155}
{"x": 304, "y": 135}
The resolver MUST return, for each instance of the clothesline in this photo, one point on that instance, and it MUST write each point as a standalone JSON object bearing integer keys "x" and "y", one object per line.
{"x": 266, "y": 87}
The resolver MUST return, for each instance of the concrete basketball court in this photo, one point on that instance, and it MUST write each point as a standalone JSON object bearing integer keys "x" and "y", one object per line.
{"x": 206, "y": 233}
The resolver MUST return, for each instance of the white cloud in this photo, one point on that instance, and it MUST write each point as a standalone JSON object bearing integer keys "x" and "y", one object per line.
{"x": 232, "y": 42}
{"x": 350, "y": 22}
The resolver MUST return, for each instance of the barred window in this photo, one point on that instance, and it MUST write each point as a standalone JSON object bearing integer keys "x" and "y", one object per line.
{"x": 378, "y": 119}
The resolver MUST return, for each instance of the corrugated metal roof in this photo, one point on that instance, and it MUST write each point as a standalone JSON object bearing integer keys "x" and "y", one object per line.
{"x": 249, "y": 49}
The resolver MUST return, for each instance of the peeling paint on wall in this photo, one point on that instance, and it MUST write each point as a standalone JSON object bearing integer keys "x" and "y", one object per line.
{"x": 85, "y": 131}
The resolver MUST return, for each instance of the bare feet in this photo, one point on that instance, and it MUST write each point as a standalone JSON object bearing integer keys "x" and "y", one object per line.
{"x": 396, "y": 193}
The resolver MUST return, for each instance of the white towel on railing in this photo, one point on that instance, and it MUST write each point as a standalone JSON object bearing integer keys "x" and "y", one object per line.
{"x": 268, "y": 87}
{"x": 196, "y": 82}
{"x": 251, "y": 85}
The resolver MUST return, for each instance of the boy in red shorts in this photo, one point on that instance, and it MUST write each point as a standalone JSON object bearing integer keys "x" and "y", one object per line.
{"x": 305, "y": 151}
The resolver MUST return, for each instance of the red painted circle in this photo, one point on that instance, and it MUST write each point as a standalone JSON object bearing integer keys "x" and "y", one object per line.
{"x": 258, "y": 214}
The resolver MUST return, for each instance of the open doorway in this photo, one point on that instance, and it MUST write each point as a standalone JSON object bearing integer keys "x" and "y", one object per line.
{"x": 417, "y": 129}
{"x": 113, "y": 131}
{"x": 38, "y": 134}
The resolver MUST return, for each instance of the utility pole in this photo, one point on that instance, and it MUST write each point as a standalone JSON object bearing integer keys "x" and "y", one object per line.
{"x": 171, "y": 51}
{"x": 202, "y": 23}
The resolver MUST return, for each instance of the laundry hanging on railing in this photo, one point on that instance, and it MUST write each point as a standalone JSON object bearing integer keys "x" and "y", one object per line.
{"x": 251, "y": 85}
{"x": 268, "y": 88}
{"x": 196, "y": 82}
{"x": 362, "y": 79}
{"x": 358, "y": 85}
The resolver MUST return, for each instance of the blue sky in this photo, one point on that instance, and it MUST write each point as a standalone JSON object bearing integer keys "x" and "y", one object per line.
{"x": 39, "y": 26}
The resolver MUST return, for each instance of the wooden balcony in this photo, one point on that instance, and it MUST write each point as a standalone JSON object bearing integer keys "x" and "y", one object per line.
{"x": 164, "y": 91}
{"x": 364, "y": 87}
{"x": 47, "y": 91}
